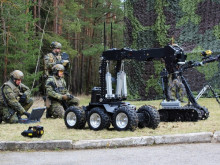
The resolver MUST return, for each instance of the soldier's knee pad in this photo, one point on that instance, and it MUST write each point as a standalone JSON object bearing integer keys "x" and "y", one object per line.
{"x": 6, "y": 115}
{"x": 58, "y": 111}
{"x": 28, "y": 104}
{"x": 30, "y": 101}
{"x": 13, "y": 119}
{"x": 75, "y": 101}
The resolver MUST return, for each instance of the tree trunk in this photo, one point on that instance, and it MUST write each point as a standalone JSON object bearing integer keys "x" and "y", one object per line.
{"x": 35, "y": 13}
{"x": 60, "y": 20}
{"x": 55, "y": 21}
{"x": 89, "y": 82}
{"x": 78, "y": 75}
{"x": 26, "y": 12}
{"x": 81, "y": 73}
{"x": 5, "y": 39}
{"x": 39, "y": 12}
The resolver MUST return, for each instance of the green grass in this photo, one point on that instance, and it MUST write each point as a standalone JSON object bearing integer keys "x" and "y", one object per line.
{"x": 55, "y": 129}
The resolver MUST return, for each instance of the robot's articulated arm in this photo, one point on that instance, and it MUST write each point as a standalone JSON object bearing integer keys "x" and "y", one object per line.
{"x": 172, "y": 55}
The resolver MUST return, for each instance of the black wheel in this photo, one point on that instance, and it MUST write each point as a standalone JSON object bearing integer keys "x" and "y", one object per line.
{"x": 194, "y": 116}
{"x": 152, "y": 117}
{"x": 205, "y": 113}
{"x": 187, "y": 116}
{"x": 124, "y": 119}
{"x": 75, "y": 118}
{"x": 98, "y": 119}
{"x": 164, "y": 115}
{"x": 180, "y": 116}
{"x": 0, "y": 119}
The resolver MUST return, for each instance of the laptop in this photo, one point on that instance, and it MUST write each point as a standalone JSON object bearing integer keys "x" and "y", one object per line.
{"x": 34, "y": 117}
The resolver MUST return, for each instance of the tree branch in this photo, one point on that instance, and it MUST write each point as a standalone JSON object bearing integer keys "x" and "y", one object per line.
{"x": 41, "y": 41}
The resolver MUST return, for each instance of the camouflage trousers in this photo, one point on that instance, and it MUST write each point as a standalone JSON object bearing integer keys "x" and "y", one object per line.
{"x": 176, "y": 90}
{"x": 56, "y": 109}
{"x": 10, "y": 115}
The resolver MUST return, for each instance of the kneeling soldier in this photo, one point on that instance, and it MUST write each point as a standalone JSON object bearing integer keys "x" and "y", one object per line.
{"x": 59, "y": 97}
{"x": 14, "y": 98}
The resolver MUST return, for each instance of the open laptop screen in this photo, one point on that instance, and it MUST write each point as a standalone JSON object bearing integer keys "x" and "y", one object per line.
{"x": 35, "y": 116}
{"x": 36, "y": 113}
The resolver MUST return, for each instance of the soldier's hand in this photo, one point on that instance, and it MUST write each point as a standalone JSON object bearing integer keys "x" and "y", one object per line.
{"x": 64, "y": 97}
{"x": 23, "y": 98}
{"x": 59, "y": 62}
{"x": 65, "y": 62}
{"x": 27, "y": 114}
{"x": 70, "y": 97}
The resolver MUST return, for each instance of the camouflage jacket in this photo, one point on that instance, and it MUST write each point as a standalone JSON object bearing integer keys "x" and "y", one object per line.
{"x": 49, "y": 61}
{"x": 56, "y": 87}
{"x": 12, "y": 95}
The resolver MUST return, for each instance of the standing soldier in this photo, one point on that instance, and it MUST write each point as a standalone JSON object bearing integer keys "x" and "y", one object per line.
{"x": 14, "y": 98}
{"x": 55, "y": 57}
{"x": 176, "y": 87}
{"x": 59, "y": 97}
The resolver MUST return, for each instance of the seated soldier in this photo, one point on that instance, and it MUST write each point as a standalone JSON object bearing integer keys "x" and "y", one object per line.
{"x": 57, "y": 93}
{"x": 14, "y": 98}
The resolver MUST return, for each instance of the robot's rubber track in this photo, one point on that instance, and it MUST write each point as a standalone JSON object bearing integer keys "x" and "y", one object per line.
{"x": 186, "y": 113}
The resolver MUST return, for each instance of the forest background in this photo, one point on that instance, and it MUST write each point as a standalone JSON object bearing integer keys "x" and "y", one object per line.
{"x": 29, "y": 26}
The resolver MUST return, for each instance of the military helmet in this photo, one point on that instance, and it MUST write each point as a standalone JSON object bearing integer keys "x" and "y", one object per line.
{"x": 17, "y": 74}
{"x": 57, "y": 67}
{"x": 55, "y": 45}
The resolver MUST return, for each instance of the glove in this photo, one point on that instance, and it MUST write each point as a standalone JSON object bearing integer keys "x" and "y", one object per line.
{"x": 65, "y": 97}
{"x": 59, "y": 62}
{"x": 23, "y": 98}
{"x": 27, "y": 114}
{"x": 70, "y": 97}
{"x": 201, "y": 64}
{"x": 65, "y": 62}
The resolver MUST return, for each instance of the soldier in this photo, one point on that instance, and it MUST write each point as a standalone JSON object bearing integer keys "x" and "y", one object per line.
{"x": 14, "y": 98}
{"x": 57, "y": 93}
{"x": 53, "y": 58}
{"x": 176, "y": 87}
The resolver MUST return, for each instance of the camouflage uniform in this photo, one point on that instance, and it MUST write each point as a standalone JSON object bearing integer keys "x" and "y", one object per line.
{"x": 13, "y": 107}
{"x": 53, "y": 58}
{"x": 50, "y": 60}
{"x": 56, "y": 108}
{"x": 176, "y": 88}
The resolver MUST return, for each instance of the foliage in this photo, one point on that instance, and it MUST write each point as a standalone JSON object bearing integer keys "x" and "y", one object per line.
{"x": 194, "y": 25}
{"x": 77, "y": 25}
{"x": 216, "y": 31}
{"x": 189, "y": 8}
{"x": 19, "y": 45}
{"x": 48, "y": 38}
{"x": 154, "y": 80}
{"x": 89, "y": 42}
{"x": 160, "y": 26}
{"x": 94, "y": 49}
{"x": 70, "y": 10}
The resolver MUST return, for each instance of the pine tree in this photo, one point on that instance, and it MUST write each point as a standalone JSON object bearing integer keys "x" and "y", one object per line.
{"x": 19, "y": 50}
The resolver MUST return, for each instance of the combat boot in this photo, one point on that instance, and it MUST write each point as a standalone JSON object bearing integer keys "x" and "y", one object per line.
{"x": 0, "y": 119}
{"x": 48, "y": 113}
